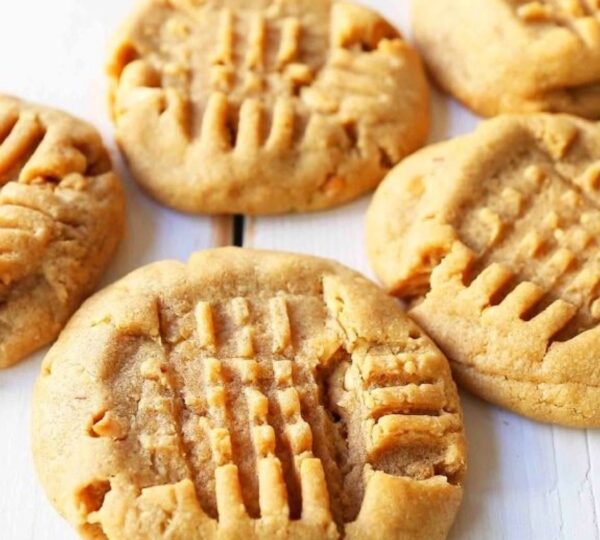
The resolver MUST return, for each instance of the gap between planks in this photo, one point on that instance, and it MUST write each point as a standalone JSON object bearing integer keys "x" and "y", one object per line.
{"x": 223, "y": 231}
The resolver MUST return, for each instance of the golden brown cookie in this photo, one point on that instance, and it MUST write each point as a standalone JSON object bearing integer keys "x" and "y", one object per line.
{"x": 61, "y": 217}
{"x": 514, "y": 55}
{"x": 248, "y": 394}
{"x": 495, "y": 238}
{"x": 261, "y": 106}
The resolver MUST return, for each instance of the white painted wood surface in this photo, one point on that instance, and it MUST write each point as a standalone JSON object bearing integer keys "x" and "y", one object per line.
{"x": 526, "y": 480}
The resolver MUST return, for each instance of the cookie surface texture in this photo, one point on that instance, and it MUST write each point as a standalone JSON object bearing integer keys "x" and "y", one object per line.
{"x": 494, "y": 236}
{"x": 513, "y": 55}
{"x": 249, "y": 395}
{"x": 61, "y": 217}
{"x": 260, "y": 106}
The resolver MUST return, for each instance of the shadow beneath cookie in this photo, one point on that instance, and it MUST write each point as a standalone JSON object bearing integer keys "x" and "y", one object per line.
{"x": 449, "y": 118}
{"x": 155, "y": 232}
{"x": 24, "y": 370}
{"x": 483, "y": 467}
{"x": 141, "y": 226}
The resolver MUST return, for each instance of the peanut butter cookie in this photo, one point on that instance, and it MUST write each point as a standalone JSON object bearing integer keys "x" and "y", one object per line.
{"x": 261, "y": 106}
{"x": 248, "y": 395}
{"x": 494, "y": 236}
{"x": 514, "y": 55}
{"x": 61, "y": 217}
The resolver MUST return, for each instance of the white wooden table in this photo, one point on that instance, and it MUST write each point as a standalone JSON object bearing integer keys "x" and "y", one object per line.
{"x": 526, "y": 480}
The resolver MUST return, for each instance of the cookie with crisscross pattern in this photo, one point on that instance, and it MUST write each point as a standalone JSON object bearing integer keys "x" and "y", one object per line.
{"x": 259, "y": 107}
{"x": 248, "y": 394}
{"x": 494, "y": 237}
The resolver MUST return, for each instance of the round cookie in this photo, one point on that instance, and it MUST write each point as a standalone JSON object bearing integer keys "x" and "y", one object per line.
{"x": 261, "y": 106}
{"x": 61, "y": 217}
{"x": 248, "y": 394}
{"x": 513, "y": 55}
{"x": 494, "y": 238}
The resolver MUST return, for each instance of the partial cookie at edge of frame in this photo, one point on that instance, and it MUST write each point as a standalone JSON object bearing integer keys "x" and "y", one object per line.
{"x": 506, "y": 56}
{"x": 61, "y": 217}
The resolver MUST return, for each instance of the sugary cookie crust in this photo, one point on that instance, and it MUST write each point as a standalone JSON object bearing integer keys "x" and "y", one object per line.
{"x": 259, "y": 106}
{"x": 61, "y": 216}
{"x": 514, "y": 55}
{"x": 248, "y": 394}
{"x": 493, "y": 236}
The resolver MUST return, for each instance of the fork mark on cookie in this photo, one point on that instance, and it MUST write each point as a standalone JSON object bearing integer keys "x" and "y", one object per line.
{"x": 280, "y": 320}
{"x": 289, "y": 47}
{"x": 224, "y": 55}
{"x": 255, "y": 56}
{"x": 578, "y": 16}
{"x": 19, "y": 145}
